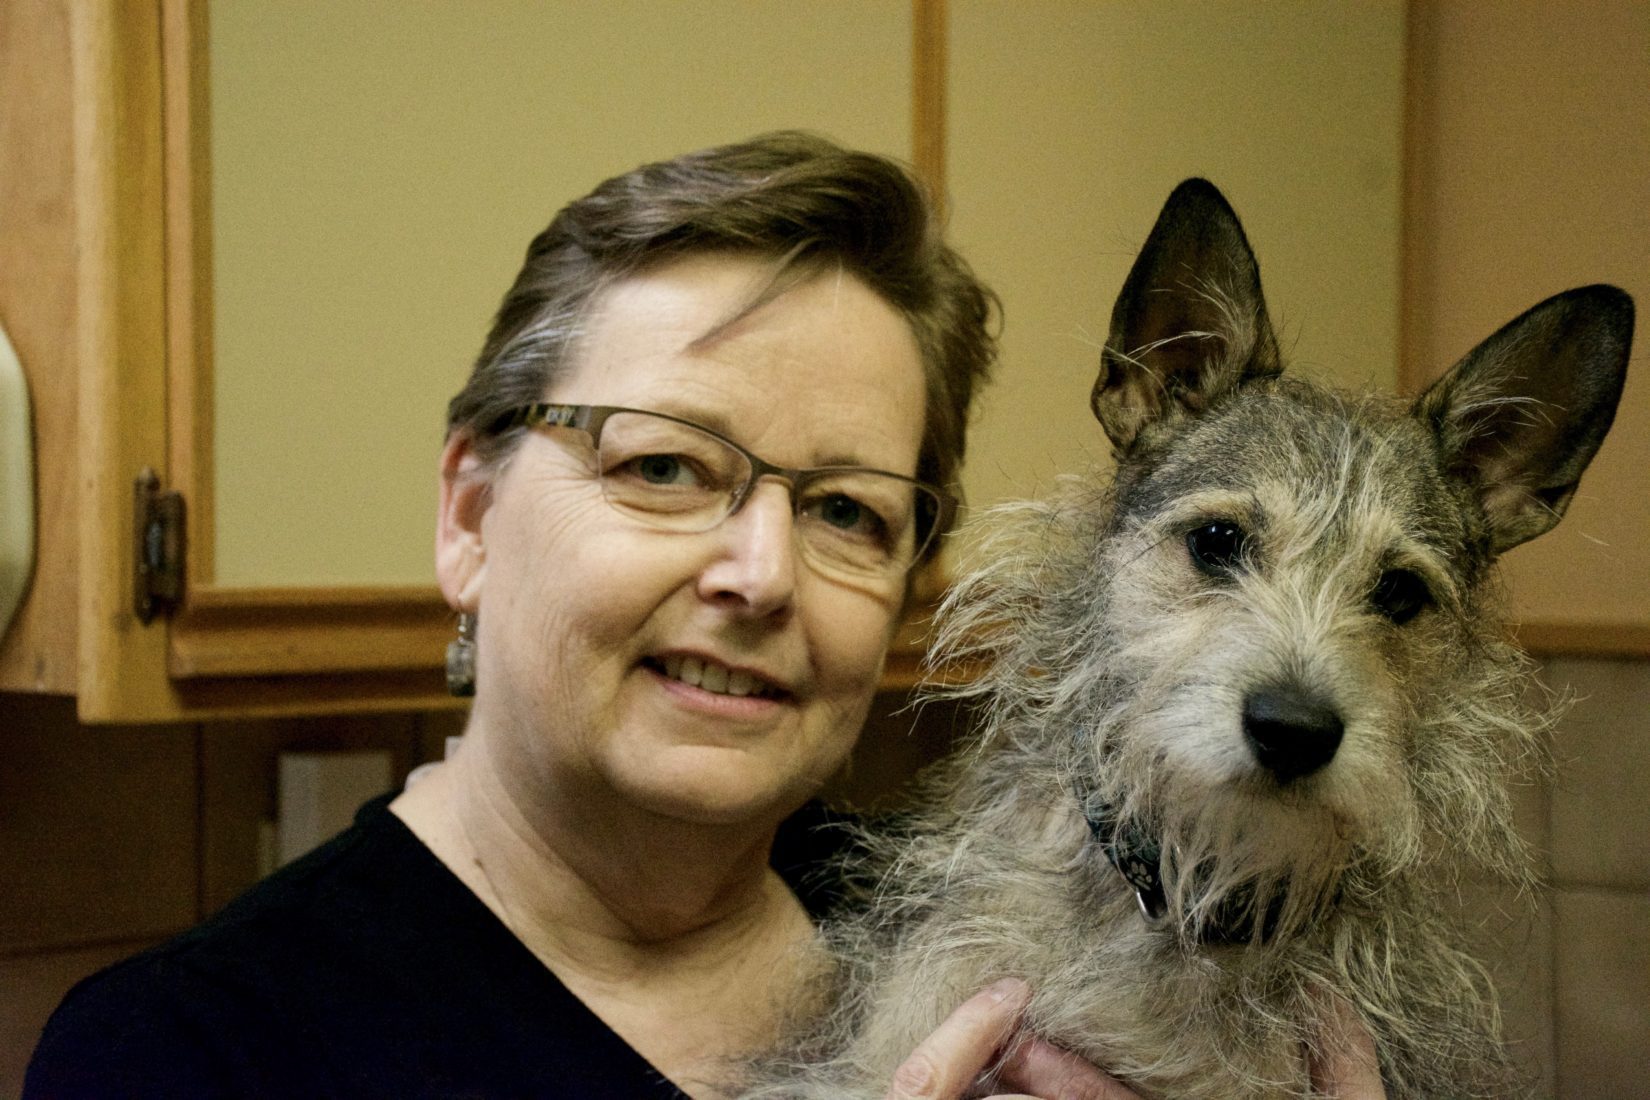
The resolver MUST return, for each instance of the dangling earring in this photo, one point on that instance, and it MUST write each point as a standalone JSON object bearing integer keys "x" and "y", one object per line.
{"x": 461, "y": 658}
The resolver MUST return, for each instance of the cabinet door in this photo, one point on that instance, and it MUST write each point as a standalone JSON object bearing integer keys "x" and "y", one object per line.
{"x": 300, "y": 218}
{"x": 1070, "y": 123}
{"x": 1529, "y": 174}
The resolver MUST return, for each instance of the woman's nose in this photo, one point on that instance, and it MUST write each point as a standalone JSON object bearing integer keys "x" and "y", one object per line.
{"x": 755, "y": 563}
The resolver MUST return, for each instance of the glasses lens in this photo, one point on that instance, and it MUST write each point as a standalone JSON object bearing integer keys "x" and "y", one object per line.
{"x": 668, "y": 474}
{"x": 850, "y": 522}
{"x": 863, "y": 522}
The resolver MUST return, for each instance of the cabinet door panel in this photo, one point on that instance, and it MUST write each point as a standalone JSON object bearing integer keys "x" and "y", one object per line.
{"x": 1070, "y": 122}
{"x": 1529, "y": 152}
{"x": 376, "y": 171}
{"x": 295, "y": 221}
{"x": 291, "y": 223}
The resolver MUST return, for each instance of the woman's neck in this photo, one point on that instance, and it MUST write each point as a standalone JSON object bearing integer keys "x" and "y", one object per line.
{"x": 677, "y": 935}
{"x": 583, "y": 873}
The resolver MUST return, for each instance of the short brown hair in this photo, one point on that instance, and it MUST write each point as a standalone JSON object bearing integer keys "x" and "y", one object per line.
{"x": 789, "y": 195}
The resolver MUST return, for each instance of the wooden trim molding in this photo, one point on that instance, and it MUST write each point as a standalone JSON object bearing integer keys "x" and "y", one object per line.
{"x": 1556, "y": 639}
{"x": 189, "y": 324}
{"x": 1414, "y": 252}
{"x": 330, "y": 693}
{"x": 274, "y": 632}
{"x": 928, "y": 72}
{"x": 121, "y": 343}
{"x": 276, "y": 651}
{"x": 309, "y": 631}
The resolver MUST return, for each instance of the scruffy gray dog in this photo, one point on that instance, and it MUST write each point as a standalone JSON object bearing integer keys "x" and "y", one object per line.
{"x": 1248, "y": 712}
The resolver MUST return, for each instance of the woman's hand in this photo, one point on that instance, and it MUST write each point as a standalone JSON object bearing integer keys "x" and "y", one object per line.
{"x": 947, "y": 1064}
{"x": 1349, "y": 1069}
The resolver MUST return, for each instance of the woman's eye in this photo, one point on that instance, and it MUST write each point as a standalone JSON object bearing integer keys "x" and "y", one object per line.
{"x": 1400, "y": 595}
{"x": 1218, "y": 548}
{"x": 662, "y": 469}
{"x": 841, "y": 511}
{"x": 847, "y": 515}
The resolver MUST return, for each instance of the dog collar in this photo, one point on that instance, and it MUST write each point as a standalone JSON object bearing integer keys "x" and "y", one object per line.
{"x": 1136, "y": 855}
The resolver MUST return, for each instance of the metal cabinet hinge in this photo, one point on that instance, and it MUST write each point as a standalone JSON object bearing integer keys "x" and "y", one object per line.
{"x": 157, "y": 550}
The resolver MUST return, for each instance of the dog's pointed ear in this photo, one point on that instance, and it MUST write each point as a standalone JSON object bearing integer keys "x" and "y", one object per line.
{"x": 1521, "y": 416}
{"x": 1190, "y": 323}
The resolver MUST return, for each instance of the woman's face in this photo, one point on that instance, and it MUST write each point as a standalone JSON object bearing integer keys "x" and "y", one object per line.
{"x": 588, "y": 618}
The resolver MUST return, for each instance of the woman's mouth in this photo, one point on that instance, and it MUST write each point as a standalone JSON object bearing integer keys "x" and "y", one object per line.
{"x": 712, "y": 677}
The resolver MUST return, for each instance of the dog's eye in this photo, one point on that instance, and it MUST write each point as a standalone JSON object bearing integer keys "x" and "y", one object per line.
{"x": 1217, "y": 548}
{"x": 1400, "y": 595}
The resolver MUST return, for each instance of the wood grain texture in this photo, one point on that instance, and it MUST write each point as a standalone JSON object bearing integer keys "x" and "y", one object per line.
{"x": 119, "y": 201}
{"x": 1556, "y": 638}
{"x": 292, "y": 631}
{"x": 97, "y": 828}
{"x": 37, "y": 307}
{"x": 928, "y": 81}
{"x": 189, "y": 334}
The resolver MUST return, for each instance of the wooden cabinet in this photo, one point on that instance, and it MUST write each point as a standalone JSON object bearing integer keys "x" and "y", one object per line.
{"x": 1411, "y": 176}
{"x": 251, "y": 247}
{"x": 38, "y": 308}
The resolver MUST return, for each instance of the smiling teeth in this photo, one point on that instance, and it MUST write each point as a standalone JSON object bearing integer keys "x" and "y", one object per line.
{"x": 714, "y": 678}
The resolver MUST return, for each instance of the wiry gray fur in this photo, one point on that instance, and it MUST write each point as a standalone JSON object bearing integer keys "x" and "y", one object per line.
{"x": 1110, "y": 669}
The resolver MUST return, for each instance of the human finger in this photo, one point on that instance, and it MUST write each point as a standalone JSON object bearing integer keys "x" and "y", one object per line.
{"x": 1039, "y": 1068}
{"x": 945, "y": 1064}
{"x": 1346, "y": 1067}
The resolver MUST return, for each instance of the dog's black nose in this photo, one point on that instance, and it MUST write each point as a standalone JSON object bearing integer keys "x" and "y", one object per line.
{"x": 1291, "y": 734}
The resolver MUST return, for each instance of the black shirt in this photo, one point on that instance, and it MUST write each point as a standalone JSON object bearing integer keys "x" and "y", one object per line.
{"x": 364, "y": 969}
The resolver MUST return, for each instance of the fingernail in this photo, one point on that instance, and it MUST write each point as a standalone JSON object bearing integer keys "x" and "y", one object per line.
{"x": 1008, "y": 988}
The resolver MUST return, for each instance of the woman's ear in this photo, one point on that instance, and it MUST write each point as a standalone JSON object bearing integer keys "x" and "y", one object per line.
{"x": 460, "y": 552}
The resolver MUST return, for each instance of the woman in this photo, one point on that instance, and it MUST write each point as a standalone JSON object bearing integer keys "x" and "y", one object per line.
{"x": 700, "y": 655}
{"x": 681, "y": 499}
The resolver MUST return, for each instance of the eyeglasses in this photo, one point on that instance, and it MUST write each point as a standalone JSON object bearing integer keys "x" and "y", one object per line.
{"x": 674, "y": 475}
